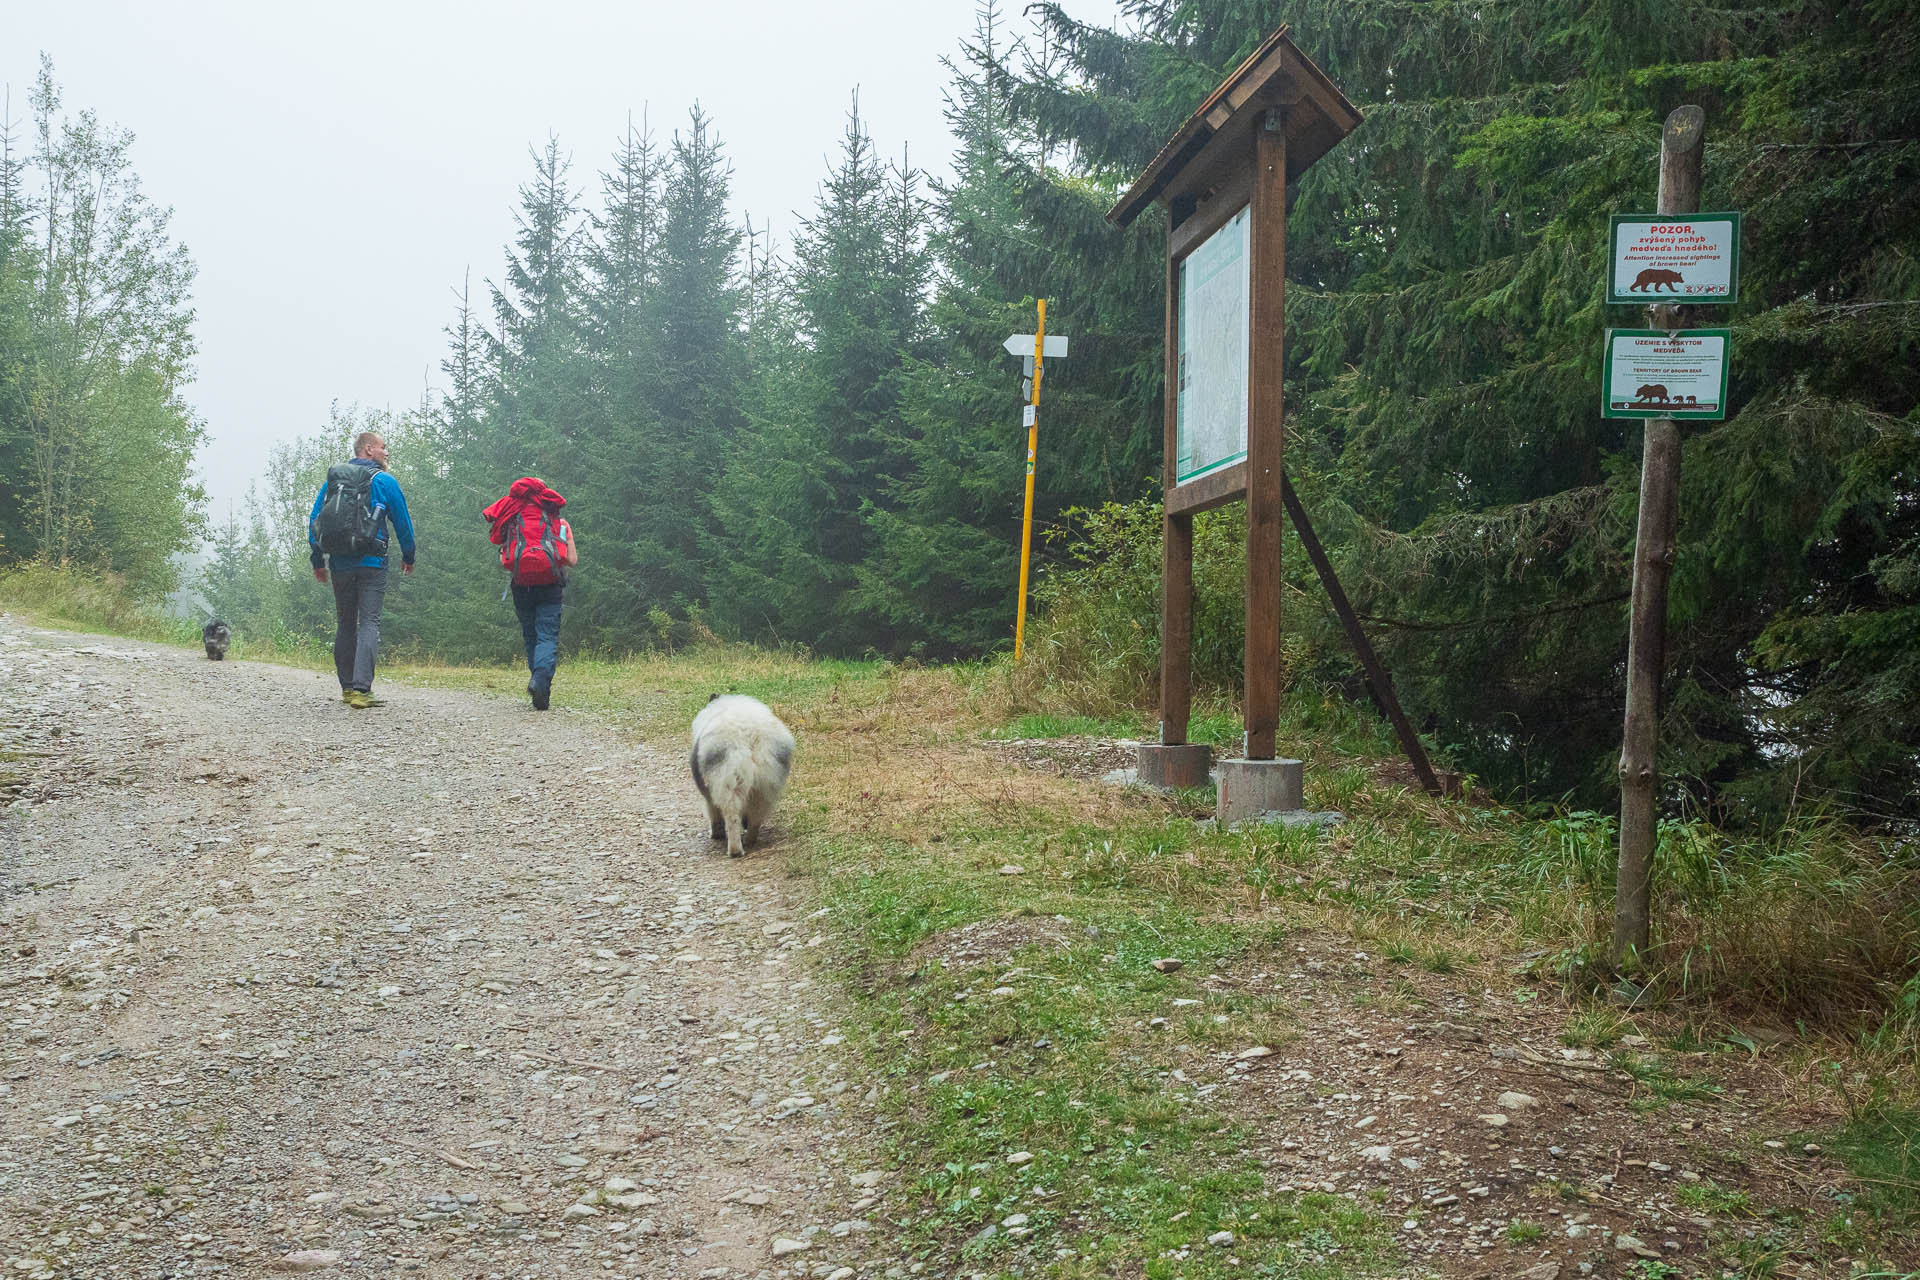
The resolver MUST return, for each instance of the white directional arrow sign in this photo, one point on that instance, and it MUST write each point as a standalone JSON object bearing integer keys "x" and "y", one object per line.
{"x": 1021, "y": 344}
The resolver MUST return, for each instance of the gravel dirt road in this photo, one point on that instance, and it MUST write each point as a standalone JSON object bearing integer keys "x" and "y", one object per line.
{"x": 442, "y": 988}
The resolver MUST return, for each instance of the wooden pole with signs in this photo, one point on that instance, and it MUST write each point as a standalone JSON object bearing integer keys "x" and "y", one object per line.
{"x": 1681, "y": 146}
{"x": 1033, "y": 449}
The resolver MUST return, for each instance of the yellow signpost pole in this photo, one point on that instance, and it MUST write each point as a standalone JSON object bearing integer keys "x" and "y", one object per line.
{"x": 1033, "y": 447}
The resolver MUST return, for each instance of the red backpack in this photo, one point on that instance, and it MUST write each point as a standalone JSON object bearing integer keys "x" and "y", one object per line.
{"x": 531, "y": 552}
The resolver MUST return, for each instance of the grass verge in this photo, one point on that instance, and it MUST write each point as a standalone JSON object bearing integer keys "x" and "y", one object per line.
{"x": 88, "y": 600}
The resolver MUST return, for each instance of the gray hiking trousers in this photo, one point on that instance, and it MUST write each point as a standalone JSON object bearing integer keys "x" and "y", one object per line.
{"x": 358, "y": 595}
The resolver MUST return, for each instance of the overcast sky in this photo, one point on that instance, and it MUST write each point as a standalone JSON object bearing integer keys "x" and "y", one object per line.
{"x": 335, "y": 169}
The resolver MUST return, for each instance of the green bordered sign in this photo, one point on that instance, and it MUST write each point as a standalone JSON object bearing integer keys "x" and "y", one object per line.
{"x": 1659, "y": 373}
{"x": 1691, "y": 258}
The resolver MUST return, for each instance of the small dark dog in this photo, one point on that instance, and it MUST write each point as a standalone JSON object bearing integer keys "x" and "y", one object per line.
{"x": 217, "y": 636}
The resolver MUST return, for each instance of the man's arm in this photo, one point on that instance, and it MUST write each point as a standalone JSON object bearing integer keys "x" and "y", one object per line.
{"x": 313, "y": 541}
{"x": 397, "y": 512}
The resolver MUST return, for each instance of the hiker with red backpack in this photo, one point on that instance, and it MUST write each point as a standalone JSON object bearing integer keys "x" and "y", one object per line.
{"x": 537, "y": 548}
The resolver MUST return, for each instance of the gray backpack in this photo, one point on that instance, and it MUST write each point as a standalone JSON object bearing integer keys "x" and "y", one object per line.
{"x": 348, "y": 523}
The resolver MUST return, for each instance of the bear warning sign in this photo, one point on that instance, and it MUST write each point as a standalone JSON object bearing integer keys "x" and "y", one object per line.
{"x": 1688, "y": 258}
{"x": 1657, "y": 373}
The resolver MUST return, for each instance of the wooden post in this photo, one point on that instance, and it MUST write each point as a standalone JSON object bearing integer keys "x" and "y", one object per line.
{"x": 1176, "y": 630}
{"x": 1681, "y": 145}
{"x": 1176, "y": 576}
{"x": 1266, "y": 432}
{"x": 1379, "y": 683}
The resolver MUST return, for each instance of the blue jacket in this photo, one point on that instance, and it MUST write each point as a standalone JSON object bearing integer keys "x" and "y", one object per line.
{"x": 389, "y": 502}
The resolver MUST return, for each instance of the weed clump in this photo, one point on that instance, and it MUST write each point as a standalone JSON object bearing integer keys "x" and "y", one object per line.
{"x": 1813, "y": 921}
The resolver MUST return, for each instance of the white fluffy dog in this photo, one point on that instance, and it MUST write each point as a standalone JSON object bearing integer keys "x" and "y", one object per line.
{"x": 741, "y": 754}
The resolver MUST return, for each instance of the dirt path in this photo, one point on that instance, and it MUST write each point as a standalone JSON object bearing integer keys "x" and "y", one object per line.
{"x": 284, "y": 981}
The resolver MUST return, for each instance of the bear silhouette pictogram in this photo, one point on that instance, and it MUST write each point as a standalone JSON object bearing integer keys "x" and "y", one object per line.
{"x": 1653, "y": 277}
{"x": 1652, "y": 391}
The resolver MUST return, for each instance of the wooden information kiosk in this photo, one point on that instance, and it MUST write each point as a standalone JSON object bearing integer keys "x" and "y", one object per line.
{"x": 1223, "y": 178}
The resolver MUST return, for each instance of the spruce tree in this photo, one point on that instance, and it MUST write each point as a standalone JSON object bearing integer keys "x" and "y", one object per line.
{"x": 537, "y": 395}
{"x": 696, "y": 396}
{"x": 622, "y": 350}
{"x": 1009, "y": 228}
{"x": 790, "y": 532}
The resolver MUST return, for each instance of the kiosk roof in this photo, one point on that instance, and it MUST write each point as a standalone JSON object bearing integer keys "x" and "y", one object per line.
{"x": 1276, "y": 74}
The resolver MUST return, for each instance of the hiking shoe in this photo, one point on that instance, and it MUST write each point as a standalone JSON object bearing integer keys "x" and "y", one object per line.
{"x": 346, "y": 695}
{"x": 359, "y": 699}
{"x": 539, "y": 695}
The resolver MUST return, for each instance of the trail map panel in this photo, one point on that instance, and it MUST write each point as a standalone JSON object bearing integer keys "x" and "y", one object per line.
{"x": 1215, "y": 342}
{"x": 1653, "y": 373}
{"x": 1682, "y": 258}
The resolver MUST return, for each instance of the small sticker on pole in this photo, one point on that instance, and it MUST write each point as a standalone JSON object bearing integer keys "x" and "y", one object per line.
{"x": 1029, "y": 414}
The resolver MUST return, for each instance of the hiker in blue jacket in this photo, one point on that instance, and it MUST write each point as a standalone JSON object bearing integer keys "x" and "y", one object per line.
{"x": 347, "y": 533}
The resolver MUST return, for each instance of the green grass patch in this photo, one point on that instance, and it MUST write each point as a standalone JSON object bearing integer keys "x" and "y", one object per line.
{"x": 1660, "y": 1085}
{"x": 1040, "y": 724}
{"x": 1061, "y": 1043}
{"x": 1594, "y": 1029}
{"x": 1878, "y": 1211}
{"x": 1708, "y": 1196}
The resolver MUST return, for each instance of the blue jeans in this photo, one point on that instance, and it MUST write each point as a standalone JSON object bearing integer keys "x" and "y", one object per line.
{"x": 539, "y": 610}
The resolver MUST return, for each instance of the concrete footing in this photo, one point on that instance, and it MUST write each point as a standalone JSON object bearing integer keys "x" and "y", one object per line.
{"x": 1249, "y": 788}
{"x": 1186, "y": 765}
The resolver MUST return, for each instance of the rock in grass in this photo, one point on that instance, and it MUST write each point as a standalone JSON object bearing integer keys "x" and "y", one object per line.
{"x": 1634, "y": 1245}
{"x": 1169, "y": 965}
{"x": 1020, "y": 1157}
{"x": 1221, "y": 1238}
